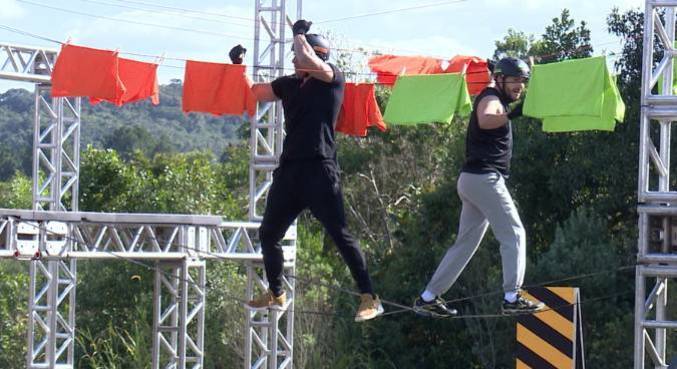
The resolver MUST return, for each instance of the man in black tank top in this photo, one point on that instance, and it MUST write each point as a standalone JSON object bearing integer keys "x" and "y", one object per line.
{"x": 486, "y": 200}
{"x": 308, "y": 175}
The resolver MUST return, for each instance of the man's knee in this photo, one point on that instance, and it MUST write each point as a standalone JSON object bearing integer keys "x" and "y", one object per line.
{"x": 268, "y": 236}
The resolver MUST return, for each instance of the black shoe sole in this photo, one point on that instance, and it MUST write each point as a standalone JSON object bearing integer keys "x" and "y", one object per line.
{"x": 431, "y": 314}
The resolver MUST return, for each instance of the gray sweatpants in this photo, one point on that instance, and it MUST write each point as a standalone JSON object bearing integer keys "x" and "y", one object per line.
{"x": 486, "y": 201}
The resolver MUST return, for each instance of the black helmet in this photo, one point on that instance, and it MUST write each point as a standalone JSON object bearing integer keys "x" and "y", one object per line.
{"x": 319, "y": 44}
{"x": 512, "y": 67}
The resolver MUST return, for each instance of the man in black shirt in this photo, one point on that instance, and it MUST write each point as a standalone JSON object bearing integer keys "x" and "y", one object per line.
{"x": 308, "y": 174}
{"x": 486, "y": 200}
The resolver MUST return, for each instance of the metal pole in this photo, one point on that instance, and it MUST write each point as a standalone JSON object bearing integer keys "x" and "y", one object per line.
{"x": 639, "y": 316}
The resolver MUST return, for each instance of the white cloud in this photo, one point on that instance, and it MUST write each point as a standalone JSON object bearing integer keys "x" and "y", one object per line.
{"x": 10, "y": 9}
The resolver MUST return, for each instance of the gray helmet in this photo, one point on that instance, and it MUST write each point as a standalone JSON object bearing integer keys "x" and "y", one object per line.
{"x": 512, "y": 67}
{"x": 319, "y": 44}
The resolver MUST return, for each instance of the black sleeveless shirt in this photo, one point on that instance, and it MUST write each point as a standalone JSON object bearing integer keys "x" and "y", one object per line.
{"x": 488, "y": 150}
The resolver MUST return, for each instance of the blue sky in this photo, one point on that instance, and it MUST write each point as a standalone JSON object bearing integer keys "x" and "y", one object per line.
{"x": 467, "y": 27}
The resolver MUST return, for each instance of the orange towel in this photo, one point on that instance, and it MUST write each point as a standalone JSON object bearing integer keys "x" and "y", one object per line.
{"x": 83, "y": 71}
{"x": 140, "y": 81}
{"x": 388, "y": 67}
{"x": 359, "y": 110}
{"x": 476, "y": 71}
{"x": 217, "y": 88}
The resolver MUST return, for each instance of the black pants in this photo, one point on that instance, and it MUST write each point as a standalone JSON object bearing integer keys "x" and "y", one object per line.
{"x": 313, "y": 184}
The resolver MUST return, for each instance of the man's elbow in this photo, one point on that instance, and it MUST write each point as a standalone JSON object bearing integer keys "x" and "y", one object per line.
{"x": 261, "y": 92}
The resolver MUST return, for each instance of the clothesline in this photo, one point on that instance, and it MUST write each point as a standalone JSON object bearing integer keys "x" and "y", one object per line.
{"x": 290, "y": 69}
{"x": 592, "y": 98}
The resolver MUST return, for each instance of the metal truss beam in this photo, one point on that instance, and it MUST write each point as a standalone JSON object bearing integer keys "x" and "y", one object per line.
{"x": 179, "y": 315}
{"x": 267, "y": 131}
{"x": 269, "y": 338}
{"x": 26, "y": 63}
{"x": 85, "y": 235}
{"x": 658, "y": 201}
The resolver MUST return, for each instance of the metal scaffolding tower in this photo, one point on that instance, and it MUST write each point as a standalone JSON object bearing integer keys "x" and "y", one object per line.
{"x": 269, "y": 333}
{"x": 657, "y": 242}
{"x": 55, "y": 234}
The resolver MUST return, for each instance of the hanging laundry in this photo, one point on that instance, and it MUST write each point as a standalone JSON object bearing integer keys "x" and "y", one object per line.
{"x": 428, "y": 98}
{"x": 83, "y": 71}
{"x": 217, "y": 88}
{"x": 574, "y": 95}
{"x": 477, "y": 74}
{"x": 359, "y": 110}
{"x": 140, "y": 81}
{"x": 674, "y": 79}
{"x": 388, "y": 67}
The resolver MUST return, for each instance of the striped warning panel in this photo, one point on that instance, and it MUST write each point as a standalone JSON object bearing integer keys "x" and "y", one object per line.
{"x": 546, "y": 340}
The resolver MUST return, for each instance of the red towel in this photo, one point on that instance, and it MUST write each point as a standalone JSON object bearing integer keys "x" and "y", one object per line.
{"x": 140, "y": 81}
{"x": 477, "y": 73}
{"x": 217, "y": 88}
{"x": 82, "y": 71}
{"x": 359, "y": 110}
{"x": 388, "y": 67}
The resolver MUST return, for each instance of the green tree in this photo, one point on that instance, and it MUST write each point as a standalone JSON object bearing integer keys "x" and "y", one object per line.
{"x": 128, "y": 139}
{"x": 14, "y": 283}
{"x": 584, "y": 245}
{"x": 564, "y": 40}
{"x": 515, "y": 44}
{"x": 17, "y": 193}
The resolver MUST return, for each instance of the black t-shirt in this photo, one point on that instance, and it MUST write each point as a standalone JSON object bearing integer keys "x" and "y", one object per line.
{"x": 310, "y": 113}
{"x": 488, "y": 150}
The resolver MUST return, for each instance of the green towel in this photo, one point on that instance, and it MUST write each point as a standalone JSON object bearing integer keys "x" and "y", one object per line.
{"x": 428, "y": 98}
{"x": 674, "y": 79}
{"x": 574, "y": 95}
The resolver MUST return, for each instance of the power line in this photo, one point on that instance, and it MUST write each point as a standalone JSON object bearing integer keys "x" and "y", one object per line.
{"x": 248, "y": 25}
{"x": 177, "y": 28}
{"x": 205, "y": 32}
{"x": 388, "y": 11}
{"x": 290, "y": 69}
{"x": 25, "y": 33}
{"x": 542, "y": 284}
{"x": 185, "y": 10}
{"x": 401, "y": 308}
{"x": 190, "y": 282}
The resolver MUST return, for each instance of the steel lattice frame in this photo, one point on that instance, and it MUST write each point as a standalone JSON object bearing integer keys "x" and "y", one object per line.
{"x": 56, "y": 155}
{"x": 657, "y": 261}
{"x": 269, "y": 337}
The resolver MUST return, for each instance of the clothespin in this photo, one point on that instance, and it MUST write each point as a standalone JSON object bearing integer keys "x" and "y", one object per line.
{"x": 160, "y": 59}
{"x": 68, "y": 40}
{"x": 444, "y": 64}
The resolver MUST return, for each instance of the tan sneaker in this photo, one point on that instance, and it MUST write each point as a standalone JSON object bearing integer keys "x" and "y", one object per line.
{"x": 268, "y": 300}
{"x": 370, "y": 307}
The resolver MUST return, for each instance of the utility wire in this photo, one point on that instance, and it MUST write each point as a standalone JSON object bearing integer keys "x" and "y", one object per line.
{"x": 396, "y": 10}
{"x": 198, "y": 31}
{"x": 169, "y": 275}
{"x": 289, "y": 69}
{"x": 25, "y": 33}
{"x": 549, "y": 308}
{"x": 401, "y": 308}
{"x": 204, "y": 32}
{"x": 174, "y": 13}
{"x": 564, "y": 279}
{"x": 184, "y": 10}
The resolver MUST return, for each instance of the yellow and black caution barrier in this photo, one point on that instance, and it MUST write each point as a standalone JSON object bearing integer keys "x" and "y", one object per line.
{"x": 553, "y": 338}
